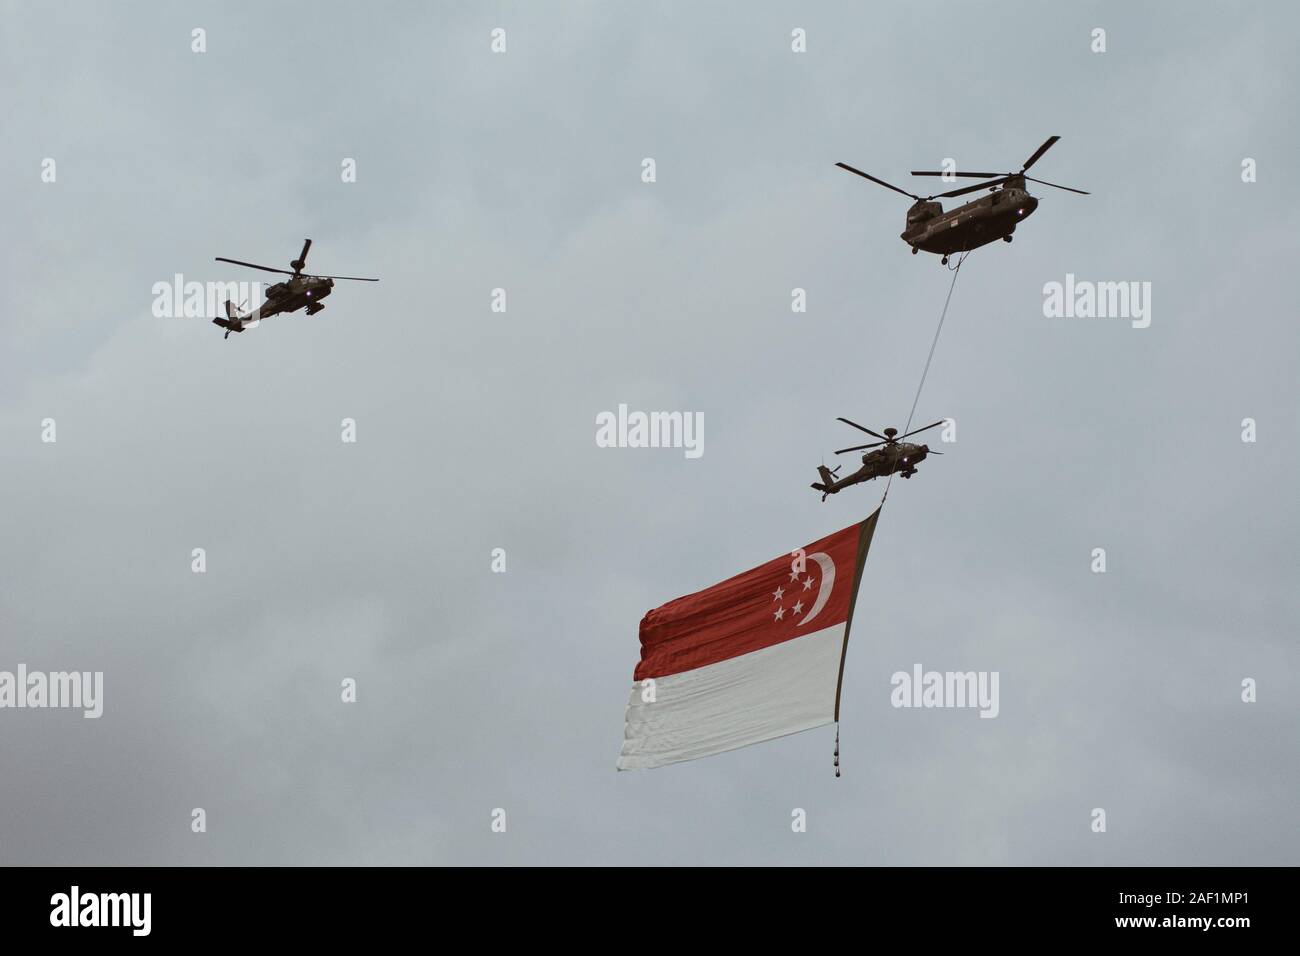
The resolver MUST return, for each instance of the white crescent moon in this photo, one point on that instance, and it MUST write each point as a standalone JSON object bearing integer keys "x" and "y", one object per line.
{"x": 828, "y": 582}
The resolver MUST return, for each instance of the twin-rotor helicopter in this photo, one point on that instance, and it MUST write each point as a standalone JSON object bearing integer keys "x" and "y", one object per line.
{"x": 976, "y": 223}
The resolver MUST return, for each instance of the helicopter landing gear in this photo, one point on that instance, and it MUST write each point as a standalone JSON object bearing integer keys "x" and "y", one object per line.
{"x": 227, "y": 335}
{"x": 1006, "y": 238}
{"x": 943, "y": 261}
{"x": 915, "y": 250}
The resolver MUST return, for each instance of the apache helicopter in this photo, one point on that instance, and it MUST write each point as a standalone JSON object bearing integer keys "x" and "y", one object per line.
{"x": 977, "y": 223}
{"x": 897, "y": 456}
{"x": 301, "y": 290}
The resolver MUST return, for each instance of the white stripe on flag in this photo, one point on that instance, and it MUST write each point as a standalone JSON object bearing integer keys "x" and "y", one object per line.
{"x": 767, "y": 693}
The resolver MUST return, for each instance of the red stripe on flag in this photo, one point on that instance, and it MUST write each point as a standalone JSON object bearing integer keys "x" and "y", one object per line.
{"x": 759, "y": 608}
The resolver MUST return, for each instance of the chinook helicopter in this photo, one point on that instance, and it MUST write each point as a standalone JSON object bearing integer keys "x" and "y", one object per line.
{"x": 976, "y": 223}
{"x": 290, "y": 296}
{"x": 897, "y": 456}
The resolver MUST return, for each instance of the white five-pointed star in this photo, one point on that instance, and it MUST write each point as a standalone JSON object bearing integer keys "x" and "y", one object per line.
{"x": 794, "y": 575}
{"x": 777, "y": 594}
{"x": 807, "y": 584}
{"x": 780, "y": 613}
{"x": 798, "y": 608}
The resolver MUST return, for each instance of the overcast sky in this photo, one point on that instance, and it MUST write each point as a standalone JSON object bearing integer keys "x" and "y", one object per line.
{"x": 476, "y": 430}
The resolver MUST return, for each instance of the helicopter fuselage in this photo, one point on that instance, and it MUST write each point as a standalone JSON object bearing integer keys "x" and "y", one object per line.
{"x": 969, "y": 226}
{"x": 296, "y": 293}
{"x": 898, "y": 457}
{"x": 901, "y": 457}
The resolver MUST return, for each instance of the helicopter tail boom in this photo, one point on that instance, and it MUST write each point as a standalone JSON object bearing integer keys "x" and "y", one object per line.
{"x": 827, "y": 484}
{"x": 233, "y": 322}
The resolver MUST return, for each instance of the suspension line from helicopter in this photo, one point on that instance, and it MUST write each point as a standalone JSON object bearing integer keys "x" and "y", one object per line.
{"x": 955, "y": 270}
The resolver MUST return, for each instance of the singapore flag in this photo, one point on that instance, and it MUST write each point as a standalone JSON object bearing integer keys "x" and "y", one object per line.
{"x": 758, "y": 656}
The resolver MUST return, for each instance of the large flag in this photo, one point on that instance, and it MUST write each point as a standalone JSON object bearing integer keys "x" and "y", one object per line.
{"x": 760, "y": 655}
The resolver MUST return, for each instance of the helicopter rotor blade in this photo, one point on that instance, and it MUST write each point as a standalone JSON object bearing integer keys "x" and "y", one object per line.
{"x": 253, "y": 265}
{"x": 916, "y": 431}
{"x": 862, "y": 429}
{"x": 859, "y": 447}
{"x": 1051, "y": 141}
{"x": 352, "y": 278}
{"x": 1069, "y": 189}
{"x": 880, "y": 182}
{"x": 987, "y": 184}
{"x": 968, "y": 175}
